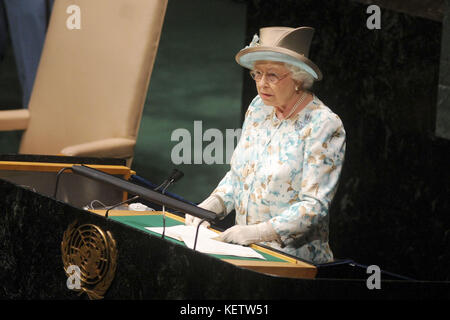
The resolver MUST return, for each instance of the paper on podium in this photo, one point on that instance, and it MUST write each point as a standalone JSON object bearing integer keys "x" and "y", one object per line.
{"x": 205, "y": 241}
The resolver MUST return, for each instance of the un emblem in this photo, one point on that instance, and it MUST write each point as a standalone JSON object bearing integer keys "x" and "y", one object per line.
{"x": 89, "y": 256}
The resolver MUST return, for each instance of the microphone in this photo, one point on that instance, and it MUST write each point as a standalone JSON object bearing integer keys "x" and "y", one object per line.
{"x": 119, "y": 204}
{"x": 58, "y": 175}
{"x": 174, "y": 177}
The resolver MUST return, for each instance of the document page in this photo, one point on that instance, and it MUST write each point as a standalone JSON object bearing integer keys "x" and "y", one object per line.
{"x": 205, "y": 241}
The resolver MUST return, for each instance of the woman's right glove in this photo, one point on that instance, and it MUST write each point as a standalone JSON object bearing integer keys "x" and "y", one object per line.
{"x": 212, "y": 203}
{"x": 248, "y": 234}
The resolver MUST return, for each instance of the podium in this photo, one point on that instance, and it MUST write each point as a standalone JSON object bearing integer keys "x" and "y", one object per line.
{"x": 38, "y": 233}
{"x": 39, "y": 173}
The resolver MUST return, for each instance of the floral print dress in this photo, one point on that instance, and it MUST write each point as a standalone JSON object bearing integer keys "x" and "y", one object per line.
{"x": 287, "y": 172}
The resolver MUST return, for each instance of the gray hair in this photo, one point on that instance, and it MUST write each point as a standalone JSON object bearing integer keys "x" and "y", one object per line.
{"x": 301, "y": 75}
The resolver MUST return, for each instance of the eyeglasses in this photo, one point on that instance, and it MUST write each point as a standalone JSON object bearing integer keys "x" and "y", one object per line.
{"x": 271, "y": 77}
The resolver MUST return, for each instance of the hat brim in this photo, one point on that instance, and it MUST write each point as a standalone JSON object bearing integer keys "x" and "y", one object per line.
{"x": 247, "y": 57}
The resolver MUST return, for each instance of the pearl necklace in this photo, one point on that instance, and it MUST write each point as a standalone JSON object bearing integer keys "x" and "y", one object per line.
{"x": 297, "y": 104}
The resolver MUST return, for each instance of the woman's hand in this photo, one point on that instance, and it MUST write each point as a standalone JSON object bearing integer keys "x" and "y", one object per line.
{"x": 212, "y": 203}
{"x": 248, "y": 234}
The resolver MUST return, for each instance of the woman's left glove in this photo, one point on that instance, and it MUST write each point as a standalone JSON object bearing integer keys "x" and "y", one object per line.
{"x": 247, "y": 234}
{"x": 212, "y": 203}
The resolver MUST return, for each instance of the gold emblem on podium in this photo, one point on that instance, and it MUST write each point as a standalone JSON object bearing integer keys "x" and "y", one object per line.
{"x": 89, "y": 256}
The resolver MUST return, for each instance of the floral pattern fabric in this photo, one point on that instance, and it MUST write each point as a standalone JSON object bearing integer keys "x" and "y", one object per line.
{"x": 287, "y": 172}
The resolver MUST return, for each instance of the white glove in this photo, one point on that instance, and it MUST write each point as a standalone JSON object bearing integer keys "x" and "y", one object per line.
{"x": 247, "y": 234}
{"x": 212, "y": 203}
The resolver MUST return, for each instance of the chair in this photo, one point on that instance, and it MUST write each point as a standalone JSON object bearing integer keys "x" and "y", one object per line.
{"x": 92, "y": 82}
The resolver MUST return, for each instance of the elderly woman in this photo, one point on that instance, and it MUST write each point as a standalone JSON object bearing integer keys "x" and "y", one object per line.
{"x": 286, "y": 167}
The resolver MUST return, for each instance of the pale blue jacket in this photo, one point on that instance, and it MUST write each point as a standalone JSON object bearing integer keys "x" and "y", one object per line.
{"x": 287, "y": 172}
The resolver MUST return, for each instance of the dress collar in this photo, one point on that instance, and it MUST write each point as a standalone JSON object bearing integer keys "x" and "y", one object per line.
{"x": 301, "y": 114}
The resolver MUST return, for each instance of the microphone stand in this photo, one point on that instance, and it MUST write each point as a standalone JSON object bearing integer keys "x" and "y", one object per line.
{"x": 196, "y": 233}
{"x": 55, "y": 191}
{"x": 116, "y": 205}
{"x": 164, "y": 211}
{"x": 175, "y": 176}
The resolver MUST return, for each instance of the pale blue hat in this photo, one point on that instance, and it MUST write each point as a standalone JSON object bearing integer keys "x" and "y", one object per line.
{"x": 281, "y": 44}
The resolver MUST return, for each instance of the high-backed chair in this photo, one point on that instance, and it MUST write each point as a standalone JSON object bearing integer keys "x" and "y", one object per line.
{"x": 92, "y": 82}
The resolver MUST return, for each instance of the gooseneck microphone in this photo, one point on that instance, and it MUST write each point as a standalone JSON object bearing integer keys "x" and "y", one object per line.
{"x": 58, "y": 175}
{"x": 174, "y": 177}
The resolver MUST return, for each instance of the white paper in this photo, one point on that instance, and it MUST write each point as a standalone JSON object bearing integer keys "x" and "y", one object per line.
{"x": 205, "y": 241}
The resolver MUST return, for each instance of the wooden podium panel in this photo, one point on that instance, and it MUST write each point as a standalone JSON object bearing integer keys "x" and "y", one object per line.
{"x": 73, "y": 189}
